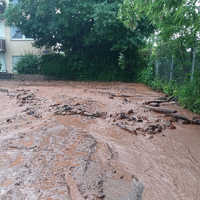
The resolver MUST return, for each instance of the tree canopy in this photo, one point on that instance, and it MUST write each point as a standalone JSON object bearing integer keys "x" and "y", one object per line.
{"x": 88, "y": 29}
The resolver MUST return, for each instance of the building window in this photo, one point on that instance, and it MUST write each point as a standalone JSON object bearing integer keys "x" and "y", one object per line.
{"x": 17, "y": 35}
{"x": 15, "y": 60}
{"x": 2, "y": 63}
{"x": 14, "y": 1}
{"x": 2, "y": 30}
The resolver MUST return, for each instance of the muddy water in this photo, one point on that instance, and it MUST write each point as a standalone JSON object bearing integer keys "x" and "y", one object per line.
{"x": 44, "y": 156}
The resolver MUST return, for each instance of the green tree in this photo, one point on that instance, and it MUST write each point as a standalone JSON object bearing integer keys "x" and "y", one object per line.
{"x": 88, "y": 30}
{"x": 176, "y": 23}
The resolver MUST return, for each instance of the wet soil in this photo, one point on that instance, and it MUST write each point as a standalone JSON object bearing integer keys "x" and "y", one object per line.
{"x": 75, "y": 141}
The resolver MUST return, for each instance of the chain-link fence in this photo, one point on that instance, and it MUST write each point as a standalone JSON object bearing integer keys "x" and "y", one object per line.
{"x": 171, "y": 68}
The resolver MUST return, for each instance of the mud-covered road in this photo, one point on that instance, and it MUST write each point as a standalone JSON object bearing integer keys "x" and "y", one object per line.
{"x": 75, "y": 141}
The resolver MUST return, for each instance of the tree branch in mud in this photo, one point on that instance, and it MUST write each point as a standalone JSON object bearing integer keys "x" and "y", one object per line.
{"x": 121, "y": 95}
{"x": 161, "y": 100}
{"x": 126, "y": 128}
{"x": 172, "y": 113}
{"x": 70, "y": 110}
{"x": 185, "y": 119}
{"x": 161, "y": 110}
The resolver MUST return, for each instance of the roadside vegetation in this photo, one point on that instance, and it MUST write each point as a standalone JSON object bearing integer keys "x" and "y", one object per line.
{"x": 154, "y": 42}
{"x": 173, "y": 60}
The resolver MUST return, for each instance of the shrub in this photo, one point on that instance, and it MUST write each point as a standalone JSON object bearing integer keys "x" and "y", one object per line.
{"x": 28, "y": 64}
{"x": 187, "y": 93}
{"x": 74, "y": 67}
{"x": 146, "y": 75}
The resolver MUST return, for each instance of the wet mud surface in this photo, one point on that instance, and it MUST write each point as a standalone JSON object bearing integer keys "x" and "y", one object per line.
{"x": 76, "y": 141}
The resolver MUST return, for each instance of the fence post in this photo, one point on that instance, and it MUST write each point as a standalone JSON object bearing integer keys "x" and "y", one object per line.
{"x": 157, "y": 68}
{"x": 193, "y": 64}
{"x": 171, "y": 69}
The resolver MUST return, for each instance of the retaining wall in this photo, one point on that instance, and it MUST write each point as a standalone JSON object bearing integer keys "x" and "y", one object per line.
{"x": 22, "y": 77}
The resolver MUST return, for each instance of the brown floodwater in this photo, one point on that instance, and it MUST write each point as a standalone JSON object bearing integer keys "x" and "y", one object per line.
{"x": 71, "y": 156}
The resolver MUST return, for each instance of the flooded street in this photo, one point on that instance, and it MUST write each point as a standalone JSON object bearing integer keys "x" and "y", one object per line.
{"x": 75, "y": 141}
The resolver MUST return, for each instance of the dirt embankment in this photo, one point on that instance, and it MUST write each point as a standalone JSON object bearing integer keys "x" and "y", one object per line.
{"x": 72, "y": 140}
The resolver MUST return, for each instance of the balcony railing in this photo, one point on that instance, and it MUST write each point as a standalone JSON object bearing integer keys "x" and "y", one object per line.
{"x": 2, "y": 45}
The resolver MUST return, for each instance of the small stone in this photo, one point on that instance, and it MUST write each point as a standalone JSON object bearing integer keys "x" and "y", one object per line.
{"x": 150, "y": 137}
{"x": 130, "y": 111}
{"x": 185, "y": 122}
{"x": 101, "y": 196}
{"x": 125, "y": 100}
{"x": 172, "y": 126}
{"x": 9, "y": 121}
{"x": 122, "y": 116}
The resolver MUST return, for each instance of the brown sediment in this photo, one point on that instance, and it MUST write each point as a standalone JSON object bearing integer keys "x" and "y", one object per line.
{"x": 95, "y": 153}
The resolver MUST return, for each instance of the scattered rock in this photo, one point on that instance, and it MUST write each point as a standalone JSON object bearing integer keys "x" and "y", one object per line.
{"x": 130, "y": 111}
{"x": 151, "y": 137}
{"x": 172, "y": 126}
{"x": 77, "y": 109}
{"x": 127, "y": 128}
{"x": 9, "y": 121}
{"x": 153, "y": 129}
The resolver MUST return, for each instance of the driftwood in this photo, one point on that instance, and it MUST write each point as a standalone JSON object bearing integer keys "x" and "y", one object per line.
{"x": 169, "y": 103}
{"x": 185, "y": 119}
{"x": 172, "y": 113}
{"x": 126, "y": 128}
{"x": 87, "y": 114}
{"x": 196, "y": 122}
{"x": 159, "y": 101}
{"x": 67, "y": 110}
{"x": 179, "y": 117}
{"x": 161, "y": 110}
{"x": 121, "y": 95}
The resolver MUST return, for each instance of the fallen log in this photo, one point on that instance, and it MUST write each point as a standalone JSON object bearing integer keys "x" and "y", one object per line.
{"x": 185, "y": 119}
{"x": 179, "y": 117}
{"x": 155, "y": 101}
{"x": 169, "y": 103}
{"x": 160, "y": 110}
{"x": 81, "y": 112}
{"x": 196, "y": 122}
{"x": 121, "y": 95}
{"x": 159, "y": 101}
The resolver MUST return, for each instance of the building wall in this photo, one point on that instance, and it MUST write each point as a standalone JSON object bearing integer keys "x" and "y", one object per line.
{"x": 17, "y": 47}
{"x": 14, "y": 47}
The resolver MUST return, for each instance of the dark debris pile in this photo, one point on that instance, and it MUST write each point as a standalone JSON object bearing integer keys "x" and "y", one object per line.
{"x": 77, "y": 109}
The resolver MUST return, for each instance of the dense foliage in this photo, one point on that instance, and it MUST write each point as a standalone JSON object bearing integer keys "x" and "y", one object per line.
{"x": 173, "y": 49}
{"x": 88, "y": 32}
{"x": 28, "y": 64}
